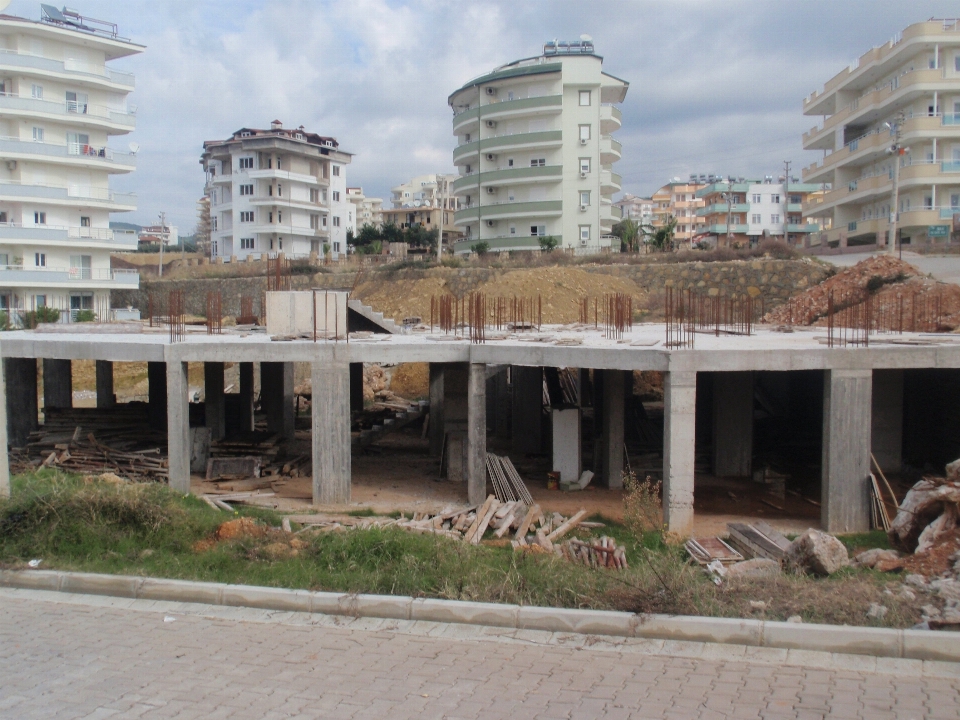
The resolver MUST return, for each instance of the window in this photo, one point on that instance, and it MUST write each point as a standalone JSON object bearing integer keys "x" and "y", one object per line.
{"x": 314, "y": 222}
{"x": 956, "y": 62}
{"x": 84, "y": 221}
{"x": 336, "y": 247}
{"x": 39, "y": 218}
{"x": 513, "y": 229}
{"x": 584, "y": 133}
{"x": 3, "y": 221}
{"x": 755, "y": 198}
{"x": 246, "y": 216}
{"x": 775, "y": 199}
{"x": 584, "y": 165}
{"x": 538, "y": 162}
{"x": 955, "y": 201}
{"x": 40, "y": 259}
{"x": 314, "y": 195}
{"x": 246, "y": 189}
{"x": 213, "y": 224}
{"x": 775, "y": 218}
{"x": 76, "y": 102}
{"x": 584, "y": 98}
{"x": 279, "y": 162}
{"x": 269, "y": 190}
{"x": 336, "y": 221}
{"x": 538, "y": 230}
{"x": 38, "y": 134}
{"x": 336, "y": 196}
{"x": 467, "y": 169}
{"x": 246, "y": 163}
{"x": 928, "y": 202}
{"x": 279, "y": 190}
{"x": 755, "y": 219}
{"x": 323, "y": 221}
{"x": 279, "y": 216}
{"x": 246, "y": 243}
{"x": 336, "y": 171}
{"x": 36, "y": 92}
{"x": 585, "y": 197}
{"x": 79, "y": 144}
{"x": 40, "y": 300}
{"x": 509, "y": 162}
{"x": 584, "y": 233}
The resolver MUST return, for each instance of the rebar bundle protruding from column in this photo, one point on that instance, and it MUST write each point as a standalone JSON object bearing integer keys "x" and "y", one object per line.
{"x": 278, "y": 273}
{"x": 679, "y": 317}
{"x": 177, "y": 311}
{"x": 214, "y": 313}
{"x": 848, "y": 318}
{"x": 477, "y": 317}
{"x": 617, "y": 315}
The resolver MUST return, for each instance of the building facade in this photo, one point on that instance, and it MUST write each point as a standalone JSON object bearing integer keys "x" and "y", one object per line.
{"x": 277, "y": 191}
{"x": 678, "y": 199}
{"x": 743, "y": 212}
{"x": 419, "y": 202}
{"x": 60, "y": 104}
{"x": 535, "y": 152}
{"x": 366, "y": 211}
{"x": 890, "y": 128}
{"x": 638, "y": 209}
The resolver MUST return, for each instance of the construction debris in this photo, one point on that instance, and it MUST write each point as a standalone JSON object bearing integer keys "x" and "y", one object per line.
{"x": 758, "y": 540}
{"x": 818, "y": 553}
{"x": 507, "y": 483}
{"x": 603, "y": 552}
{"x": 930, "y": 509}
{"x": 706, "y": 550}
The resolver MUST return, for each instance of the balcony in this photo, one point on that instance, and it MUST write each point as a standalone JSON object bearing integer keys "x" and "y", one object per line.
{"x": 72, "y": 277}
{"x": 93, "y": 237}
{"x": 546, "y": 173}
{"x": 271, "y": 173}
{"x": 721, "y": 228}
{"x": 500, "y": 143}
{"x": 102, "y": 197}
{"x": 72, "y": 112}
{"x": 502, "y": 243}
{"x": 494, "y": 110}
{"x": 803, "y": 227}
{"x": 611, "y": 119}
{"x": 610, "y": 150}
{"x": 21, "y": 63}
{"x": 73, "y": 154}
{"x": 285, "y": 202}
{"x": 543, "y": 208}
{"x": 277, "y": 229}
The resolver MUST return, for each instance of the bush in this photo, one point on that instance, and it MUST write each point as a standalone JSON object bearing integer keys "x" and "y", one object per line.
{"x": 85, "y": 316}
{"x": 642, "y": 510}
{"x": 4, "y": 320}
{"x": 481, "y": 248}
{"x": 548, "y": 243}
{"x": 40, "y": 315}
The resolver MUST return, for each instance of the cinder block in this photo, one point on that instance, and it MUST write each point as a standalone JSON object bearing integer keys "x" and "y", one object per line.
{"x": 96, "y": 584}
{"x": 879, "y": 642}
{"x": 931, "y": 645}
{"x": 180, "y": 591}
{"x": 30, "y": 579}
{"x": 266, "y": 598}
{"x": 699, "y": 629}
{"x": 591, "y": 622}
{"x": 378, "y": 606}
{"x": 469, "y": 613}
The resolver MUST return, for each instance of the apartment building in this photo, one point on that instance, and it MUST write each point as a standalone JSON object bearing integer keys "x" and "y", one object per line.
{"x": 638, "y": 209}
{"x": 419, "y": 202}
{"x": 890, "y": 138}
{"x": 366, "y": 211}
{"x": 535, "y": 152}
{"x": 60, "y": 104}
{"x": 277, "y": 190}
{"x": 743, "y": 212}
{"x": 678, "y": 199}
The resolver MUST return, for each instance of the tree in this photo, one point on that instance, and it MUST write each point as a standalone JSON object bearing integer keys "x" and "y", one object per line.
{"x": 629, "y": 233}
{"x": 548, "y": 243}
{"x": 391, "y": 232}
{"x": 481, "y": 248}
{"x": 661, "y": 238}
{"x": 417, "y": 236}
{"x": 202, "y": 232}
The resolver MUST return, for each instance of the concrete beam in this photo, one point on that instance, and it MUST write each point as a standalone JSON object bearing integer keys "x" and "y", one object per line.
{"x": 178, "y": 426}
{"x": 614, "y": 390}
{"x": 356, "y": 387}
{"x": 105, "y": 395}
{"x": 477, "y": 434}
{"x": 527, "y": 409}
{"x": 157, "y": 394}
{"x": 679, "y": 435}
{"x": 57, "y": 384}
{"x": 847, "y": 396}
{"x": 276, "y": 391}
{"x": 436, "y": 429}
{"x": 213, "y": 399}
{"x": 246, "y": 397}
{"x": 732, "y": 424}
{"x": 330, "y": 409}
{"x": 4, "y": 459}
{"x": 20, "y": 376}
{"x": 886, "y": 426}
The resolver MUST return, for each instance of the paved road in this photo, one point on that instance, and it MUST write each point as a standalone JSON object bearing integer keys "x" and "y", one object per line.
{"x": 945, "y": 268}
{"x": 87, "y": 657}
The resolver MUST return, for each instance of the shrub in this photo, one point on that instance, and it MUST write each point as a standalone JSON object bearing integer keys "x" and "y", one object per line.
{"x": 548, "y": 243}
{"x": 85, "y": 316}
{"x": 481, "y": 248}
{"x": 642, "y": 510}
{"x": 4, "y": 320}
{"x": 40, "y": 315}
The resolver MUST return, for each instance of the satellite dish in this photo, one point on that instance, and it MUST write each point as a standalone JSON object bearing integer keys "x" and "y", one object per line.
{"x": 416, "y": 203}
{"x": 586, "y": 38}
{"x": 134, "y": 147}
{"x": 4, "y": 4}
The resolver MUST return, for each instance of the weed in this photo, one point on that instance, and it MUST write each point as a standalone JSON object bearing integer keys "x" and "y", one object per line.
{"x": 642, "y": 511}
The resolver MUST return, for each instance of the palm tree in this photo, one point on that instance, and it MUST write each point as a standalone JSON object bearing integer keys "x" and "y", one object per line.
{"x": 661, "y": 238}
{"x": 629, "y": 233}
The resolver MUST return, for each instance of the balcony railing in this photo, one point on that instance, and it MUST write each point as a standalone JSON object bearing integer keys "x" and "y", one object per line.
{"x": 12, "y": 189}
{"x": 19, "y": 273}
{"x": 12, "y": 58}
{"x": 10, "y": 101}
{"x": 93, "y": 152}
{"x": 17, "y": 231}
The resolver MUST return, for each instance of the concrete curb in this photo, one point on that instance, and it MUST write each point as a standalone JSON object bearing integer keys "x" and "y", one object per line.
{"x": 876, "y": 642}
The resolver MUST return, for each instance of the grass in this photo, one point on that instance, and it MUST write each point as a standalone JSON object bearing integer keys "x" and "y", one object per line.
{"x": 74, "y": 524}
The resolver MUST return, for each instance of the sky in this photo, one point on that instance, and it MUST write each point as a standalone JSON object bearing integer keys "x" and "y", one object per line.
{"x": 716, "y": 86}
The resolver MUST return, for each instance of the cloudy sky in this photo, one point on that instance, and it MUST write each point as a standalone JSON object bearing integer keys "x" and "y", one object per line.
{"x": 715, "y": 85}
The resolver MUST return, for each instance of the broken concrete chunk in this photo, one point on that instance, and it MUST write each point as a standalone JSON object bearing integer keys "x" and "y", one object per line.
{"x": 818, "y": 553}
{"x": 876, "y": 611}
{"x": 795, "y": 619}
{"x": 758, "y": 605}
{"x": 756, "y": 569}
{"x": 870, "y": 558}
{"x": 918, "y": 581}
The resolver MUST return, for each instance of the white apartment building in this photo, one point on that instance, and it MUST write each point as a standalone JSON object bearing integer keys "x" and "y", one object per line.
{"x": 638, "y": 209}
{"x": 366, "y": 211}
{"x": 59, "y": 106}
{"x": 419, "y": 202}
{"x": 277, "y": 191}
{"x": 535, "y": 152}
{"x": 908, "y": 87}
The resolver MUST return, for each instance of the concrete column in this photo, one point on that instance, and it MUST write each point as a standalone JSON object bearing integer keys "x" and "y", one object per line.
{"x": 178, "y": 426}
{"x": 20, "y": 377}
{"x": 330, "y": 408}
{"x": 567, "y": 460}
{"x": 436, "y": 429}
{"x": 886, "y": 426}
{"x": 105, "y": 395}
{"x": 213, "y": 399}
{"x": 732, "y": 423}
{"x": 356, "y": 387}
{"x": 845, "y": 490}
{"x": 527, "y": 409}
{"x": 456, "y": 400}
{"x": 157, "y": 394}
{"x": 276, "y": 391}
{"x": 476, "y": 450}
{"x": 4, "y": 460}
{"x": 679, "y": 434}
{"x": 503, "y": 406}
{"x": 614, "y": 387}
{"x": 57, "y": 384}
{"x": 246, "y": 397}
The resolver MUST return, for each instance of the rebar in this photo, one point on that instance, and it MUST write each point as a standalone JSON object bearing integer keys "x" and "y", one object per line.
{"x": 176, "y": 306}
{"x": 214, "y": 313}
{"x": 678, "y": 313}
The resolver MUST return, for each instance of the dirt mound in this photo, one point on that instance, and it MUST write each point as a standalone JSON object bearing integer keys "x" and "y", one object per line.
{"x": 411, "y": 381}
{"x": 241, "y": 527}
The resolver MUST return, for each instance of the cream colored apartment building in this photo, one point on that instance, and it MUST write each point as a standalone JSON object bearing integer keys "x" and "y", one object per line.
{"x": 60, "y": 104}
{"x": 535, "y": 152}
{"x": 908, "y": 88}
{"x": 366, "y": 210}
{"x": 678, "y": 199}
{"x": 421, "y": 201}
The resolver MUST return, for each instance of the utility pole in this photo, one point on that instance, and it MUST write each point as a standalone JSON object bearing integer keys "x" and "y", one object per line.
{"x": 443, "y": 210}
{"x": 163, "y": 219}
{"x": 786, "y": 201}
{"x": 897, "y": 152}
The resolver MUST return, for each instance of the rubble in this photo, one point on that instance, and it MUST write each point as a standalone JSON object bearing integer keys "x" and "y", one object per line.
{"x": 755, "y": 569}
{"x": 929, "y": 510}
{"x": 874, "y": 557}
{"x": 818, "y": 553}
{"x": 876, "y": 611}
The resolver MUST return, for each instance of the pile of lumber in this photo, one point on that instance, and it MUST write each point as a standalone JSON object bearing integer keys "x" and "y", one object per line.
{"x": 597, "y": 553}
{"x": 758, "y": 540}
{"x": 92, "y": 457}
{"x": 508, "y": 486}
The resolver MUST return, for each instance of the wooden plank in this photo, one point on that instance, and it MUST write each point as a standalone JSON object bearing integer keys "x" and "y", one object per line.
{"x": 532, "y": 514}
{"x": 482, "y": 528}
{"x": 749, "y": 539}
{"x": 468, "y": 536}
{"x": 567, "y": 526}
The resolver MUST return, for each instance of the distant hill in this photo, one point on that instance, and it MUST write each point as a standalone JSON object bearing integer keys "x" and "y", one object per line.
{"x": 132, "y": 227}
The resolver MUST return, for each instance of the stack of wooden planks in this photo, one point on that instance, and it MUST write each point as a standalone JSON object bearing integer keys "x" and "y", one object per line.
{"x": 603, "y": 552}
{"x": 508, "y": 486}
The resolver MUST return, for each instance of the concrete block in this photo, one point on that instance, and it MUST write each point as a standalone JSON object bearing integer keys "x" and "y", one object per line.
{"x": 326, "y": 603}
{"x": 180, "y": 591}
{"x": 566, "y": 444}
{"x": 470, "y": 613}
{"x": 931, "y": 645}
{"x": 591, "y": 622}
{"x": 267, "y": 598}
{"x": 97, "y": 584}
{"x": 30, "y": 579}
{"x": 700, "y": 629}
{"x": 879, "y": 642}
{"x": 379, "y": 606}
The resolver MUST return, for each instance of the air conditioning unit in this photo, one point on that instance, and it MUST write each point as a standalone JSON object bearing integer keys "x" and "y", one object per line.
{"x": 491, "y": 223}
{"x": 583, "y": 243}
{"x": 491, "y": 157}
{"x": 583, "y": 175}
{"x": 491, "y": 123}
{"x": 583, "y": 208}
{"x": 491, "y": 191}
{"x": 583, "y": 141}
{"x": 490, "y": 91}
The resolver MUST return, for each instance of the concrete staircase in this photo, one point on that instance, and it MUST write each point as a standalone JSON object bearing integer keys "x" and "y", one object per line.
{"x": 377, "y": 318}
{"x": 401, "y": 419}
